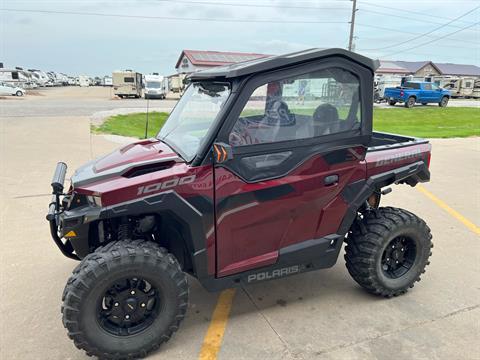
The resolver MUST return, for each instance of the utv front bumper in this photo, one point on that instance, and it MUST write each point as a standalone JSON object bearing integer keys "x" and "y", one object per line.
{"x": 55, "y": 209}
{"x": 69, "y": 228}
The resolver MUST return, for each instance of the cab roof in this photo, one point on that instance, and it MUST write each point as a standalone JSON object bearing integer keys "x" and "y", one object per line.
{"x": 274, "y": 62}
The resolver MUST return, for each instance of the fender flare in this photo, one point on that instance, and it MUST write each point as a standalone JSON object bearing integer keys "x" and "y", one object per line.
{"x": 356, "y": 193}
{"x": 175, "y": 204}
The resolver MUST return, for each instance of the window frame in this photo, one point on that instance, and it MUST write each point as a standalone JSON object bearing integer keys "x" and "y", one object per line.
{"x": 361, "y": 135}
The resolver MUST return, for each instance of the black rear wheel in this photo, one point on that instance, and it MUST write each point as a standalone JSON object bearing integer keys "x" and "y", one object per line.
{"x": 443, "y": 102}
{"x": 391, "y": 102}
{"x": 124, "y": 300}
{"x": 388, "y": 250}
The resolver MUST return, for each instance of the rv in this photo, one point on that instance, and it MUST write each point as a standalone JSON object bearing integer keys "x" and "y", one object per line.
{"x": 476, "y": 89}
{"x": 459, "y": 87}
{"x": 386, "y": 81}
{"x": 83, "y": 80}
{"x": 154, "y": 87}
{"x": 39, "y": 76}
{"x": 127, "y": 83}
{"x": 15, "y": 77}
{"x": 176, "y": 83}
{"x": 107, "y": 81}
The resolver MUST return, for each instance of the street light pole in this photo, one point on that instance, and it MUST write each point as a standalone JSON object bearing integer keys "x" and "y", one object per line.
{"x": 352, "y": 25}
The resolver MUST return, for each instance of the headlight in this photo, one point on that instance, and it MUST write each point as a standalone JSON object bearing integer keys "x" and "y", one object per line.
{"x": 94, "y": 200}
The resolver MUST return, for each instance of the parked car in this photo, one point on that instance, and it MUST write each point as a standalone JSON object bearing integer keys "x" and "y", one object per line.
{"x": 7, "y": 89}
{"x": 240, "y": 186}
{"x": 417, "y": 92}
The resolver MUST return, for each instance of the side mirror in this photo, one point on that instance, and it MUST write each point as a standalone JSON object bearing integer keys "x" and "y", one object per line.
{"x": 222, "y": 152}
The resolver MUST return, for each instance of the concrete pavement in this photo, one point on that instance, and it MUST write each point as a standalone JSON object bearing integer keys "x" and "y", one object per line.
{"x": 321, "y": 315}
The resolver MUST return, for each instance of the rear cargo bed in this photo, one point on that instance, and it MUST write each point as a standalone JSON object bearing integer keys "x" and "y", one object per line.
{"x": 385, "y": 141}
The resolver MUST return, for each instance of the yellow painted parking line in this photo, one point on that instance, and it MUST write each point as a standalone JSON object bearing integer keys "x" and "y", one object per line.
{"x": 449, "y": 210}
{"x": 213, "y": 338}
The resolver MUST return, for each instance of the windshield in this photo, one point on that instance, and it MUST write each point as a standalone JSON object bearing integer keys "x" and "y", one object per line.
{"x": 193, "y": 116}
{"x": 153, "y": 85}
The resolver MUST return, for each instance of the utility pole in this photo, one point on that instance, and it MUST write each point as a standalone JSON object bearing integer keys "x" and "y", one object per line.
{"x": 352, "y": 25}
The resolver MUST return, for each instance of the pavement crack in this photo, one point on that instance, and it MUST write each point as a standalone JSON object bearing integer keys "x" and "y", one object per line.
{"x": 282, "y": 340}
{"x": 379, "y": 336}
{"x": 31, "y": 196}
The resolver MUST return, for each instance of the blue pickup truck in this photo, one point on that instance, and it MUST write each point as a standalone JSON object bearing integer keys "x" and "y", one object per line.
{"x": 412, "y": 92}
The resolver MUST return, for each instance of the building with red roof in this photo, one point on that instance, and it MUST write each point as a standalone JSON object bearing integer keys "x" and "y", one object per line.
{"x": 194, "y": 60}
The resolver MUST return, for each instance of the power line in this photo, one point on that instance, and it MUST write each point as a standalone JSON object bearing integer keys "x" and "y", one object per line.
{"x": 440, "y": 45}
{"x": 171, "y": 17}
{"x": 405, "y": 17}
{"x": 423, "y": 14}
{"x": 431, "y": 31}
{"x": 256, "y": 5}
{"x": 432, "y": 41}
{"x": 410, "y": 33}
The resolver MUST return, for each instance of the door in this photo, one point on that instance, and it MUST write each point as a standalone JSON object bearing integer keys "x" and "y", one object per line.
{"x": 427, "y": 95}
{"x": 296, "y": 142}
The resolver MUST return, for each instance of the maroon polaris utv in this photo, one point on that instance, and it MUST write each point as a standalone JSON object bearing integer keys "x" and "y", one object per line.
{"x": 262, "y": 170}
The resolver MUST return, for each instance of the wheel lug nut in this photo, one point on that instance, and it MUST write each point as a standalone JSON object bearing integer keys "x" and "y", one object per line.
{"x": 132, "y": 292}
{"x": 142, "y": 305}
{"x": 127, "y": 317}
{"x": 116, "y": 304}
{"x": 396, "y": 262}
{"x": 402, "y": 249}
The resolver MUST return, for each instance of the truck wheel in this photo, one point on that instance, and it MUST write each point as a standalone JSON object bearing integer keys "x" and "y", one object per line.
{"x": 443, "y": 102}
{"x": 388, "y": 250}
{"x": 410, "y": 102}
{"x": 391, "y": 102}
{"x": 124, "y": 300}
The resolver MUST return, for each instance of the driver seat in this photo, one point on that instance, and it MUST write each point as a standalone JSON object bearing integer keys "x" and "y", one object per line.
{"x": 325, "y": 120}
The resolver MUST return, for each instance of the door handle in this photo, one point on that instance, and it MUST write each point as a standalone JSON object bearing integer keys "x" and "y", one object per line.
{"x": 331, "y": 180}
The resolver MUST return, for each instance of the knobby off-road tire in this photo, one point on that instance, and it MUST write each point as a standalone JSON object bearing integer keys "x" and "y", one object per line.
{"x": 369, "y": 245}
{"x": 84, "y": 299}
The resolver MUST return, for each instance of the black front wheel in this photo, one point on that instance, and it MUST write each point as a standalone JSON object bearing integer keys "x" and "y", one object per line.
{"x": 387, "y": 250}
{"x": 410, "y": 102}
{"x": 124, "y": 300}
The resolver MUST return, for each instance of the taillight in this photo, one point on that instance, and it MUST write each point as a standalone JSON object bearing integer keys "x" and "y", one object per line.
{"x": 402, "y": 93}
{"x": 429, "y": 157}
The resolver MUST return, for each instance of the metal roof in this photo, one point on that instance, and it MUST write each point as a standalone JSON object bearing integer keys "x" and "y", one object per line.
{"x": 391, "y": 67}
{"x": 216, "y": 58}
{"x": 458, "y": 69}
{"x": 273, "y": 62}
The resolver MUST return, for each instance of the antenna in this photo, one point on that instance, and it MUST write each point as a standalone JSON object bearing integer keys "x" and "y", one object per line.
{"x": 146, "y": 123}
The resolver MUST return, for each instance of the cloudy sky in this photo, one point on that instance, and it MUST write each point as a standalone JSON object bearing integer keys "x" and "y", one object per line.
{"x": 96, "y": 37}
